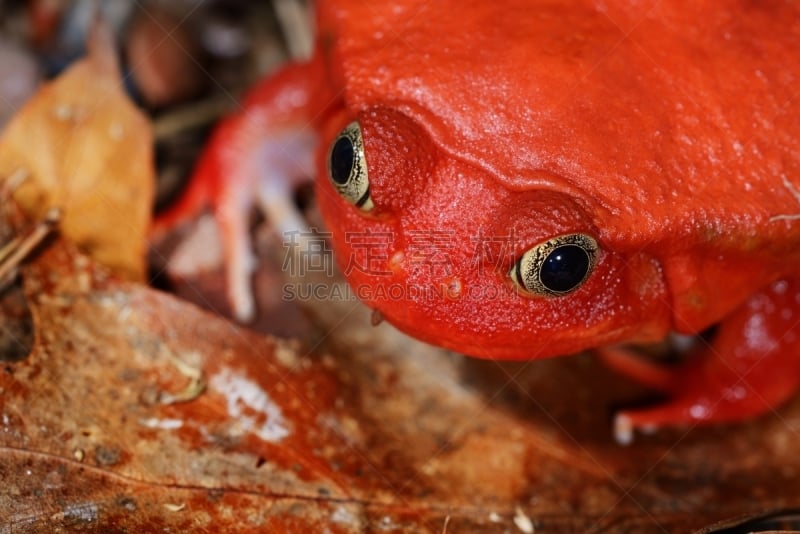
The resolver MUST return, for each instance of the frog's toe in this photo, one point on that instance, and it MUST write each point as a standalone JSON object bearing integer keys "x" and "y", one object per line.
{"x": 240, "y": 294}
{"x": 681, "y": 411}
{"x": 232, "y": 212}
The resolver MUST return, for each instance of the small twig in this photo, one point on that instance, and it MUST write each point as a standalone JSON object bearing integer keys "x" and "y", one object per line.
{"x": 12, "y": 254}
{"x": 192, "y": 116}
{"x": 294, "y": 21}
{"x": 8, "y": 248}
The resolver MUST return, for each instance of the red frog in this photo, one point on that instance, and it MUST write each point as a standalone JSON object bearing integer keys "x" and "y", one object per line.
{"x": 522, "y": 179}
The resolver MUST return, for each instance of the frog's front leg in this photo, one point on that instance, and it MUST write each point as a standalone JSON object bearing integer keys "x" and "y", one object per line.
{"x": 750, "y": 367}
{"x": 256, "y": 157}
{"x": 260, "y": 160}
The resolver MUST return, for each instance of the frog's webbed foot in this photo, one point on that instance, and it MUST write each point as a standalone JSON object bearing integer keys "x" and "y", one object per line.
{"x": 750, "y": 367}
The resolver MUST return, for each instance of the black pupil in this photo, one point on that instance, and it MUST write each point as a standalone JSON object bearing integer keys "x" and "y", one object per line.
{"x": 342, "y": 159}
{"x": 564, "y": 268}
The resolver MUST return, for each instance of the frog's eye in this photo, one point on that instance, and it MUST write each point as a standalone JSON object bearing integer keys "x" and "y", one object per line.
{"x": 557, "y": 266}
{"x": 347, "y": 167}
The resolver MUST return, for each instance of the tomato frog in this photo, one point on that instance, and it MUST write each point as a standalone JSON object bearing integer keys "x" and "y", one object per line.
{"x": 522, "y": 179}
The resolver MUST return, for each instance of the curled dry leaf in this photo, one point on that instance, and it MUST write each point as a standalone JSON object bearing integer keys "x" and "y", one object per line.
{"x": 87, "y": 150}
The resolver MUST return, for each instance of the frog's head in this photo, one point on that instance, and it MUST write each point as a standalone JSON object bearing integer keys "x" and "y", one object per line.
{"x": 449, "y": 254}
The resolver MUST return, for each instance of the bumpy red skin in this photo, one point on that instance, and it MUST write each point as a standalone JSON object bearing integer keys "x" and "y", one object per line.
{"x": 669, "y": 133}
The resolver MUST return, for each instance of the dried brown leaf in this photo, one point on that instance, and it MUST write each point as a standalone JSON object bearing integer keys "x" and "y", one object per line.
{"x": 86, "y": 149}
